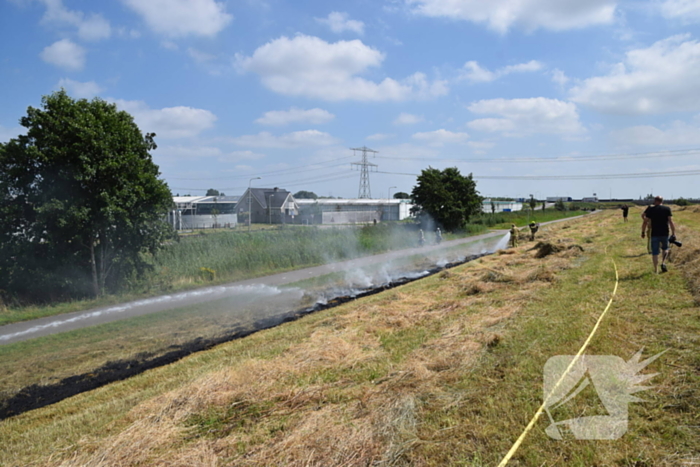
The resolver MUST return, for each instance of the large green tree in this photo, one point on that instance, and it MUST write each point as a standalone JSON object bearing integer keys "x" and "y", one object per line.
{"x": 303, "y": 194}
{"x": 447, "y": 196}
{"x": 81, "y": 201}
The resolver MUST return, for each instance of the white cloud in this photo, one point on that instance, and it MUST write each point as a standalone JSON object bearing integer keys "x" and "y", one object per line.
{"x": 128, "y": 33}
{"x": 473, "y": 72}
{"x": 502, "y": 15}
{"x": 169, "y": 122}
{"x": 80, "y": 90}
{"x": 309, "y": 66}
{"x": 559, "y": 77}
{"x": 408, "y": 119}
{"x": 235, "y": 156}
{"x": 339, "y": 22}
{"x": 295, "y": 139}
{"x": 188, "y": 152}
{"x": 662, "y": 78}
{"x": 90, "y": 28}
{"x": 686, "y": 10}
{"x": 380, "y": 136}
{"x": 199, "y": 56}
{"x": 481, "y": 146}
{"x": 409, "y": 150}
{"x": 677, "y": 133}
{"x": 64, "y": 54}
{"x": 314, "y": 116}
{"x": 441, "y": 137}
{"x": 179, "y": 18}
{"x": 520, "y": 117}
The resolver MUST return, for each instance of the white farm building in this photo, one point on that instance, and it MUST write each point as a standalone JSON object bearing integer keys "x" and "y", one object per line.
{"x": 488, "y": 206}
{"x": 203, "y": 212}
{"x": 352, "y": 211}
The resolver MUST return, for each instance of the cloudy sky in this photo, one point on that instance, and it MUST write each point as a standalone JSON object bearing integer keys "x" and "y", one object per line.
{"x": 543, "y": 97}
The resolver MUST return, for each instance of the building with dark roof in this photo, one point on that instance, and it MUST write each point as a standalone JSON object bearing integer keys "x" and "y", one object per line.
{"x": 268, "y": 206}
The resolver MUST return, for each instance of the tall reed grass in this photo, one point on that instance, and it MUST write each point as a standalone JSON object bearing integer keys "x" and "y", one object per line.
{"x": 235, "y": 255}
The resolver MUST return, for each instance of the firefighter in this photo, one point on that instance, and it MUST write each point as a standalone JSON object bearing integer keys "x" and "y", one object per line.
{"x": 513, "y": 235}
{"x": 534, "y": 227}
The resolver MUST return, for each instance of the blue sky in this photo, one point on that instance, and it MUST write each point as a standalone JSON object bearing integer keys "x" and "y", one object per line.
{"x": 281, "y": 90}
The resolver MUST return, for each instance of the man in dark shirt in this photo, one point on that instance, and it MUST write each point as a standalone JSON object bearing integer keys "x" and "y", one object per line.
{"x": 660, "y": 218}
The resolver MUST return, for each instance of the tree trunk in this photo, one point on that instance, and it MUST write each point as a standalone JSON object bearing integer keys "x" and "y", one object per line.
{"x": 95, "y": 284}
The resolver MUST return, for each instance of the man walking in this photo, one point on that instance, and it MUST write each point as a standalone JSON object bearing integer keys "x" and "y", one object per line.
{"x": 660, "y": 218}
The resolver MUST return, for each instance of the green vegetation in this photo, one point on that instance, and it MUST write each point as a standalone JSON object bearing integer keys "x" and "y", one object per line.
{"x": 304, "y": 194}
{"x": 448, "y": 197}
{"x": 238, "y": 255}
{"x": 503, "y": 220}
{"x": 443, "y": 371}
{"x": 81, "y": 204}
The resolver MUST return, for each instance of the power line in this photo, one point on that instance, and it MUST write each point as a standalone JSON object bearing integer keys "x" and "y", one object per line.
{"x": 317, "y": 179}
{"x": 580, "y": 158}
{"x": 574, "y": 177}
{"x": 300, "y": 168}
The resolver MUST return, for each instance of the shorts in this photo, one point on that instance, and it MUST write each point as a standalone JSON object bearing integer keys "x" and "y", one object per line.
{"x": 657, "y": 242}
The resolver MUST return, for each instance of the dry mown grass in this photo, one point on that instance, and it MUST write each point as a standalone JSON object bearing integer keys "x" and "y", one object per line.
{"x": 688, "y": 258}
{"x": 352, "y": 393}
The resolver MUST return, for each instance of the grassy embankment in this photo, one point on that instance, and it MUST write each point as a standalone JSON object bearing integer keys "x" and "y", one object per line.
{"x": 443, "y": 371}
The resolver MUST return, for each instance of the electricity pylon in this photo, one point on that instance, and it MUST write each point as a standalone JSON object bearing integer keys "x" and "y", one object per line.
{"x": 365, "y": 167}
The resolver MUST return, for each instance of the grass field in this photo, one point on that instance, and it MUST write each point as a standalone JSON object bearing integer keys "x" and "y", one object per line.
{"x": 503, "y": 220}
{"x": 442, "y": 371}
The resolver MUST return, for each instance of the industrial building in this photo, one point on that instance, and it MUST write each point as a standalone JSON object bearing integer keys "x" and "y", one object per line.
{"x": 268, "y": 206}
{"x": 203, "y": 212}
{"x": 488, "y": 206}
{"x": 352, "y": 211}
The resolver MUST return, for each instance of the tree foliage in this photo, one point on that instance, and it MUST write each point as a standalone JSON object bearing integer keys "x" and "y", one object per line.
{"x": 213, "y": 192}
{"x": 81, "y": 204}
{"x": 447, "y": 196}
{"x": 532, "y": 202}
{"x": 303, "y": 194}
{"x": 401, "y": 195}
